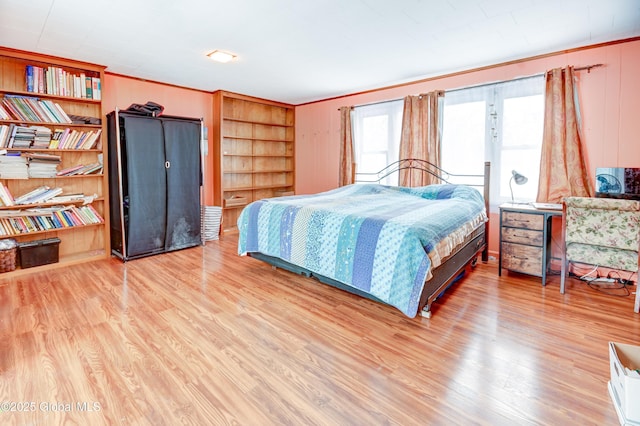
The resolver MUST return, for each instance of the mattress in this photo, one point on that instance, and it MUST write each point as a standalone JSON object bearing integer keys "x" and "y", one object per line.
{"x": 381, "y": 240}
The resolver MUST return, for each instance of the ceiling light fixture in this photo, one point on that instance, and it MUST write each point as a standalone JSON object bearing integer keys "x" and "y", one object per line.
{"x": 220, "y": 56}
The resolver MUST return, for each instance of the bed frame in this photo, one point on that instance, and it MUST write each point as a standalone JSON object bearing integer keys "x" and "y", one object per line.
{"x": 451, "y": 269}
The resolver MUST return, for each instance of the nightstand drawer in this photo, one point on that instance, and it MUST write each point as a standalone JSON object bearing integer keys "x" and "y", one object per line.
{"x": 522, "y": 236}
{"x": 523, "y": 220}
{"x": 521, "y": 258}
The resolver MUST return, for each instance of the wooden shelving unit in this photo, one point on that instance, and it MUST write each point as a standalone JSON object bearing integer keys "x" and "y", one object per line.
{"x": 78, "y": 243}
{"x": 254, "y": 152}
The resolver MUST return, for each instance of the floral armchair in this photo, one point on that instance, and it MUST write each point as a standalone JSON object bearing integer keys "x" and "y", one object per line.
{"x": 602, "y": 232}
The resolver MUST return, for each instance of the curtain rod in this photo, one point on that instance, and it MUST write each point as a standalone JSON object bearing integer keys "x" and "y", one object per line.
{"x": 586, "y": 67}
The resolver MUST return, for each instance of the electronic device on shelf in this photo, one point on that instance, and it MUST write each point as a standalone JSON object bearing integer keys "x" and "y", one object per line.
{"x": 618, "y": 182}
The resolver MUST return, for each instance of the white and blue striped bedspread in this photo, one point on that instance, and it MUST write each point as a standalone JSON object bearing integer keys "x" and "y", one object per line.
{"x": 379, "y": 239}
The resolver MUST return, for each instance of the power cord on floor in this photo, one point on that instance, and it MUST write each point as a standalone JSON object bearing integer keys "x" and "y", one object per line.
{"x": 611, "y": 288}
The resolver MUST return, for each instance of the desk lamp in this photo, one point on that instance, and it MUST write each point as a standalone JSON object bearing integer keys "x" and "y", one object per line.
{"x": 519, "y": 179}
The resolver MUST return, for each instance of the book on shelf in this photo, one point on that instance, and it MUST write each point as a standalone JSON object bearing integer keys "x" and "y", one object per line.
{"x": 42, "y": 156}
{"x": 29, "y": 73}
{"x": 35, "y": 108}
{"x": 74, "y": 139}
{"x": 17, "y": 108}
{"x": 65, "y": 223}
{"x": 27, "y": 108}
{"x": 10, "y": 108}
{"x": 42, "y": 138}
{"x": 38, "y": 195}
{"x": 6, "y": 132}
{"x": 73, "y": 217}
{"x": 5, "y": 196}
{"x": 69, "y": 171}
{"x": 91, "y": 140}
{"x": 96, "y": 90}
{"x": 42, "y": 165}
{"x": 88, "y": 85}
{"x": 54, "y": 80}
{"x": 52, "y": 111}
{"x": 4, "y": 114}
{"x": 67, "y": 198}
{"x": 93, "y": 168}
{"x": 81, "y": 169}
{"x": 13, "y": 166}
{"x": 60, "y": 112}
{"x": 23, "y": 137}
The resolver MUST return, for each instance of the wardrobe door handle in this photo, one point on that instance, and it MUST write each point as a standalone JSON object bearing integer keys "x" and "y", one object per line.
{"x": 167, "y": 164}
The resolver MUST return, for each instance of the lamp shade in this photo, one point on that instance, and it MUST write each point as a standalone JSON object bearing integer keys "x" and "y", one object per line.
{"x": 518, "y": 178}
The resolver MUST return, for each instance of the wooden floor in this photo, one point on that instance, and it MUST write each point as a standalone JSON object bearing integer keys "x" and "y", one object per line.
{"x": 202, "y": 336}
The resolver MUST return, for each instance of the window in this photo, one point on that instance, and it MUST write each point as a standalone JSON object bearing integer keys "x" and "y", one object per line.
{"x": 501, "y": 123}
{"x": 376, "y": 136}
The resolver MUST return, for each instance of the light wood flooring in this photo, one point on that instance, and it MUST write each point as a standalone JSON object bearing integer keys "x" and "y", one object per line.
{"x": 202, "y": 336}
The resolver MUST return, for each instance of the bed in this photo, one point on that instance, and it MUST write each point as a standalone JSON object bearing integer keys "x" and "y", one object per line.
{"x": 401, "y": 246}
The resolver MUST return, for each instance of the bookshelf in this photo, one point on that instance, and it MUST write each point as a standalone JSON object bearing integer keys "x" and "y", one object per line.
{"x": 254, "y": 152}
{"x": 74, "y": 87}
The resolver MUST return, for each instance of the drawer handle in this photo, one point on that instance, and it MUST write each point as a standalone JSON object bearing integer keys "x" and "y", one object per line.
{"x": 521, "y": 258}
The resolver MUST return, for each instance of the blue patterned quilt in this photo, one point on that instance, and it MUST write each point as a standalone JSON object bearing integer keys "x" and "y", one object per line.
{"x": 382, "y": 240}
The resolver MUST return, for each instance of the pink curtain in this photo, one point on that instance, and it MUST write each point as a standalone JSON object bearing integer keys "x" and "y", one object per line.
{"x": 563, "y": 171}
{"x": 347, "y": 158}
{"x": 420, "y": 137}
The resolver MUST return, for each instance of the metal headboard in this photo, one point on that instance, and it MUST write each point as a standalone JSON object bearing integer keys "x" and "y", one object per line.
{"x": 425, "y": 167}
{"x": 443, "y": 176}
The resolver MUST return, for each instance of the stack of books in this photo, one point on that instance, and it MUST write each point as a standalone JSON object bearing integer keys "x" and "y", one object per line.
{"x": 42, "y": 138}
{"x": 81, "y": 169}
{"x": 39, "y": 195}
{"x": 13, "y": 166}
{"x": 42, "y": 165}
{"x": 23, "y": 137}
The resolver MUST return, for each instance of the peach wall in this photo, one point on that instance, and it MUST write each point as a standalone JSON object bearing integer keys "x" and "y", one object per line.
{"x": 120, "y": 91}
{"x": 609, "y": 100}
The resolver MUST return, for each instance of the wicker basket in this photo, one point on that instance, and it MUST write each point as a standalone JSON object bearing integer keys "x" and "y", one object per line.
{"x": 8, "y": 248}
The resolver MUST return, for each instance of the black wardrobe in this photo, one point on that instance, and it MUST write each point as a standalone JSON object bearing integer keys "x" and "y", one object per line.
{"x": 155, "y": 181}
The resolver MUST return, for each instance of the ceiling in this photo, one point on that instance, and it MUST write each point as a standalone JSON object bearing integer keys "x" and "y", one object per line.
{"x": 298, "y": 51}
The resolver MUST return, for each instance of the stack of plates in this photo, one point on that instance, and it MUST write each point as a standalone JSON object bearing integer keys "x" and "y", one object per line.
{"x": 212, "y": 219}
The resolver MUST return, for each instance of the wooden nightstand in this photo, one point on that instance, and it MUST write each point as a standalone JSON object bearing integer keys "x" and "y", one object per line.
{"x": 525, "y": 237}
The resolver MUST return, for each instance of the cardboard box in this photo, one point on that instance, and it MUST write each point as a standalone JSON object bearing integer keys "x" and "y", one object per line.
{"x": 625, "y": 387}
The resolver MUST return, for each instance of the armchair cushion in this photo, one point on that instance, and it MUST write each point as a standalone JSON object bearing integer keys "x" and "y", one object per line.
{"x": 603, "y": 222}
{"x": 625, "y": 260}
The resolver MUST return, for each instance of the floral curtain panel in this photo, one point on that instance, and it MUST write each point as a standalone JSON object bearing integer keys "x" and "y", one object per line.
{"x": 421, "y": 135}
{"x": 563, "y": 171}
{"x": 347, "y": 158}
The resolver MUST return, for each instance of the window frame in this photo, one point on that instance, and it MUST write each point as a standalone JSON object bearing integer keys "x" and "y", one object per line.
{"x": 494, "y": 96}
